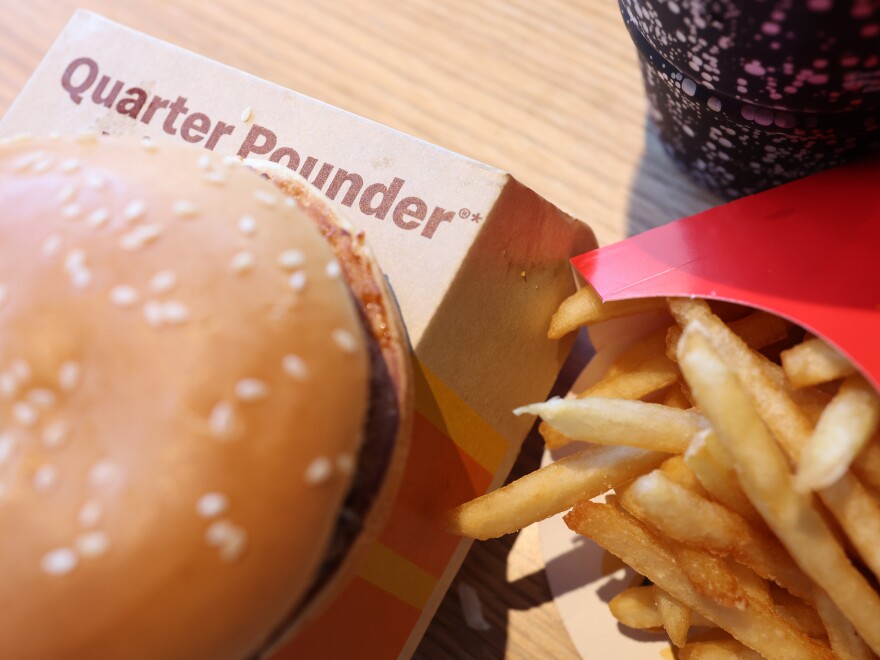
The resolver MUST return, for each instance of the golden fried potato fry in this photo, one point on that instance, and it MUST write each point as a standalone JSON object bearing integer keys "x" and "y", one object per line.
{"x": 688, "y": 518}
{"x": 676, "y": 469}
{"x": 797, "y": 611}
{"x": 639, "y": 371}
{"x": 709, "y": 460}
{"x": 718, "y": 649}
{"x": 757, "y": 330}
{"x": 764, "y": 475}
{"x": 651, "y": 426}
{"x": 585, "y": 307}
{"x": 845, "y": 427}
{"x": 675, "y": 615}
{"x": 845, "y": 641}
{"x": 635, "y": 608}
{"x": 813, "y": 362}
{"x": 867, "y": 464}
{"x": 857, "y": 512}
{"x": 758, "y": 627}
{"x": 677, "y": 397}
{"x": 550, "y": 490}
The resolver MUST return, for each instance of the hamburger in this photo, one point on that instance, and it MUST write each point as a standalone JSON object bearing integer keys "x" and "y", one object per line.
{"x": 205, "y": 396}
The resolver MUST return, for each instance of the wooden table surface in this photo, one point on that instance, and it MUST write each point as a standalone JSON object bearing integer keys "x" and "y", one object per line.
{"x": 549, "y": 91}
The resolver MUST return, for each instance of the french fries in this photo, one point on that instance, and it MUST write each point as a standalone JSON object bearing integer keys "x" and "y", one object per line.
{"x": 758, "y": 627}
{"x": 749, "y": 497}
{"x": 650, "y": 426}
{"x": 813, "y": 362}
{"x": 585, "y": 307}
{"x": 552, "y": 489}
{"x": 676, "y": 616}
{"x": 720, "y": 649}
{"x": 845, "y": 427}
{"x": 765, "y": 477}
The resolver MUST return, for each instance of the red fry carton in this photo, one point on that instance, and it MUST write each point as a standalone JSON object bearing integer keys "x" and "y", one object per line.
{"x": 807, "y": 251}
{"x": 477, "y": 262}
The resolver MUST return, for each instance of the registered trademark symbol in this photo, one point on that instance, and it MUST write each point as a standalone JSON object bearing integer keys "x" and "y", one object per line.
{"x": 464, "y": 214}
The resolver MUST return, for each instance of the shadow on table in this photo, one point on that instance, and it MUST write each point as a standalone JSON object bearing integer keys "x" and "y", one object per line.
{"x": 660, "y": 192}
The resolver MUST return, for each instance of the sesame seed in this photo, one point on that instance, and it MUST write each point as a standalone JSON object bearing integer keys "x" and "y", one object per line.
{"x": 290, "y": 203}
{"x": 184, "y": 208}
{"x": 21, "y": 369}
{"x": 98, "y": 217}
{"x": 204, "y": 162}
{"x": 26, "y": 161}
{"x": 345, "y": 463}
{"x": 234, "y": 545}
{"x": 295, "y": 367}
{"x": 87, "y": 137}
{"x": 221, "y": 421}
{"x": 230, "y": 162}
{"x": 291, "y": 259}
{"x": 55, "y": 434}
{"x": 74, "y": 260}
{"x": 81, "y": 278}
{"x": 247, "y": 225}
{"x": 264, "y": 197}
{"x": 345, "y": 340}
{"x": 45, "y": 477}
{"x": 8, "y": 385}
{"x": 228, "y": 538}
{"x": 251, "y": 389}
{"x": 333, "y": 269}
{"x": 211, "y": 505}
{"x": 153, "y": 313}
{"x": 67, "y": 192}
{"x": 69, "y": 165}
{"x": 134, "y": 210}
{"x": 69, "y": 375}
{"x": 71, "y": 211}
{"x": 318, "y": 471}
{"x": 242, "y": 262}
{"x": 297, "y": 280}
{"x": 139, "y": 237}
{"x": 95, "y": 181}
{"x": 149, "y": 145}
{"x": 104, "y": 473}
{"x": 214, "y": 178}
{"x": 174, "y": 312}
{"x": 51, "y": 246}
{"x": 163, "y": 281}
{"x": 42, "y": 397}
{"x": 59, "y": 561}
{"x": 90, "y": 514}
{"x": 25, "y": 414}
{"x": 92, "y": 544}
{"x": 246, "y": 114}
{"x": 4, "y": 293}
{"x": 7, "y": 446}
{"x": 124, "y": 295}
{"x": 43, "y": 164}
{"x": 217, "y": 532}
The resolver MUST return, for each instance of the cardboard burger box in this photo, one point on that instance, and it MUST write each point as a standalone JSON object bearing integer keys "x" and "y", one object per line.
{"x": 806, "y": 251}
{"x": 477, "y": 262}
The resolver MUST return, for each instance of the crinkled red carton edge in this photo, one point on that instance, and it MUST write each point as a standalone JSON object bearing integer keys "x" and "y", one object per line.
{"x": 808, "y": 251}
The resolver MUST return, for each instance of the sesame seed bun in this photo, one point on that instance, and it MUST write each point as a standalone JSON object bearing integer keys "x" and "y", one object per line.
{"x": 187, "y": 370}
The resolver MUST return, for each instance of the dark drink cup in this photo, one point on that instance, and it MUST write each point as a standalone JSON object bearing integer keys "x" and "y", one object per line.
{"x": 749, "y": 94}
